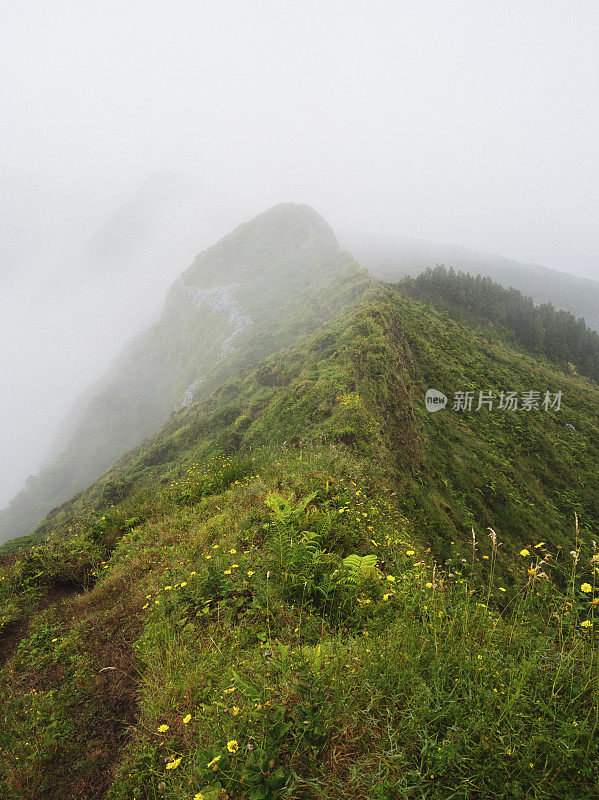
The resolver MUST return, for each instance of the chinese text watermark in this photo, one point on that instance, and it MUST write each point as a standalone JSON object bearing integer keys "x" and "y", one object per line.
{"x": 489, "y": 400}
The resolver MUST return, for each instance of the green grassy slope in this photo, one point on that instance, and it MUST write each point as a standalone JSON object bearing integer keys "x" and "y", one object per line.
{"x": 272, "y": 280}
{"x": 278, "y": 594}
{"x": 525, "y": 473}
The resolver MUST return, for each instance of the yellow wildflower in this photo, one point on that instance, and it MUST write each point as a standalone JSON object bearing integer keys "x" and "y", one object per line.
{"x": 227, "y": 572}
{"x": 232, "y": 746}
{"x": 250, "y": 573}
{"x": 232, "y": 551}
{"x": 410, "y": 552}
{"x": 187, "y": 719}
{"x": 586, "y": 624}
{"x": 586, "y": 587}
{"x": 525, "y": 552}
{"x": 391, "y": 578}
{"x": 214, "y": 763}
{"x": 174, "y": 763}
{"x": 162, "y": 728}
{"x": 235, "y": 711}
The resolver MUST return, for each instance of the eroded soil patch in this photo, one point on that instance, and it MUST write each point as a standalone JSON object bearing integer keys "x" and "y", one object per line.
{"x": 85, "y": 769}
{"x": 17, "y": 629}
{"x": 96, "y": 690}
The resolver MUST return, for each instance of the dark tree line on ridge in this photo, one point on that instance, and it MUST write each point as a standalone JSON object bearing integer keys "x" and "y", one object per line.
{"x": 542, "y": 329}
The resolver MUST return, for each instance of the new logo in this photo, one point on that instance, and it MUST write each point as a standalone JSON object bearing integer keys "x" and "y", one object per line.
{"x": 435, "y": 400}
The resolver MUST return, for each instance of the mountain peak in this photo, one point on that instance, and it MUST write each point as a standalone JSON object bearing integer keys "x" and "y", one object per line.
{"x": 298, "y": 216}
{"x": 286, "y": 242}
{"x": 288, "y": 223}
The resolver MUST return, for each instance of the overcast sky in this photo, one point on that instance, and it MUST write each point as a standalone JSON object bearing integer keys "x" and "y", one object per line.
{"x": 473, "y": 121}
{"x": 469, "y": 122}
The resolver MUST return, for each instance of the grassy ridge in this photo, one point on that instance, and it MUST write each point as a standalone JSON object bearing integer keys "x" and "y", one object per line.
{"x": 360, "y": 380}
{"x": 286, "y": 637}
{"x": 279, "y": 594}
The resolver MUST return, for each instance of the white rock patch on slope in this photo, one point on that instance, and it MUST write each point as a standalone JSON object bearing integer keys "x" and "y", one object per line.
{"x": 220, "y": 299}
{"x": 188, "y": 395}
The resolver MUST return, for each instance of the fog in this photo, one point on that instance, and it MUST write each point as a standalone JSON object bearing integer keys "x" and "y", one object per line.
{"x": 135, "y": 134}
{"x": 73, "y": 292}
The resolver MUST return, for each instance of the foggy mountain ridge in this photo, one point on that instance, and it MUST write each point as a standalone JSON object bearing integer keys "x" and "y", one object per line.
{"x": 386, "y": 257}
{"x": 293, "y": 505}
{"x": 91, "y": 265}
{"x": 285, "y": 262}
{"x": 321, "y": 450}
